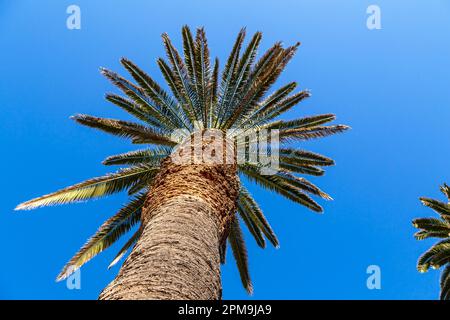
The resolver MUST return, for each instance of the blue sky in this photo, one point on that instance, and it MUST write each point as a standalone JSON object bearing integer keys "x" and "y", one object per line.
{"x": 389, "y": 85}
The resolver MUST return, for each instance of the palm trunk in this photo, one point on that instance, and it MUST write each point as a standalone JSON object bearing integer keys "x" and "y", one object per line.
{"x": 185, "y": 220}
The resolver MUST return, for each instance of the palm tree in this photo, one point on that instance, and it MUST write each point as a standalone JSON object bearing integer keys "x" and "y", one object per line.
{"x": 185, "y": 214}
{"x": 439, "y": 254}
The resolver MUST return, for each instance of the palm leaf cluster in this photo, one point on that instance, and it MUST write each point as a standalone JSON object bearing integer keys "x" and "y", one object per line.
{"x": 439, "y": 254}
{"x": 201, "y": 96}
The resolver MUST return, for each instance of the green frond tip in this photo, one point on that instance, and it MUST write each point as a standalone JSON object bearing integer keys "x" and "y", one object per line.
{"x": 93, "y": 188}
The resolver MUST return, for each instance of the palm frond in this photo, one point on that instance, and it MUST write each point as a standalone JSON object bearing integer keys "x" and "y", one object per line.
{"x": 177, "y": 89}
{"x": 166, "y": 105}
{"x": 125, "y": 248}
{"x": 273, "y": 111}
{"x": 106, "y": 235}
{"x": 93, "y": 188}
{"x": 251, "y": 225}
{"x": 139, "y": 97}
{"x": 228, "y": 78}
{"x": 142, "y": 184}
{"x": 254, "y": 212}
{"x": 311, "y": 133}
{"x": 439, "y": 254}
{"x": 186, "y": 92}
{"x": 262, "y": 67}
{"x": 279, "y": 185}
{"x": 269, "y": 102}
{"x": 203, "y": 73}
{"x": 303, "y": 169}
{"x": 135, "y": 110}
{"x": 445, "y": 189}
{"x": 445, "y": 283}
{"x": 303, "y": 157}
{"x": 149, "y": 156}
{"x": 213, "y": 94}
{"x": 422, "y": 235}
{"x": 435, "y": 257}
{"x": 302, "y": 123}
{"x": 242, "y": 73}
{"x": 137, "y": 133}
{"x": 237, "y": 243}
{"x": 189, "y": 53}
{"x": 259, "y": 84}
{"x": 432, "y": 225}
{"x": 441, "y": 208}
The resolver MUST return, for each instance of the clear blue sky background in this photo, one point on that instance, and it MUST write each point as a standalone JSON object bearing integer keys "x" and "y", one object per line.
{"x": 390, "y": 85}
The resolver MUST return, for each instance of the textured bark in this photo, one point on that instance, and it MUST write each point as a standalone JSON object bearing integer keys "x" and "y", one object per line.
{"x": 185, "y": 220}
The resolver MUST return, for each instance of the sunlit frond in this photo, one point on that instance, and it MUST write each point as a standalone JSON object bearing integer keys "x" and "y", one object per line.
{"x": 93, "y": 188}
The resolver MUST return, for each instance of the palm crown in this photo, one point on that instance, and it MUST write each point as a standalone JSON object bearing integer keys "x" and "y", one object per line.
{"x": 201, "y": 98}
{"x": 439, "y": 254}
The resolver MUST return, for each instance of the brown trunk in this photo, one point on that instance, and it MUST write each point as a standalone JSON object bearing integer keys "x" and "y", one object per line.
{"x": 184, "y": 221}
